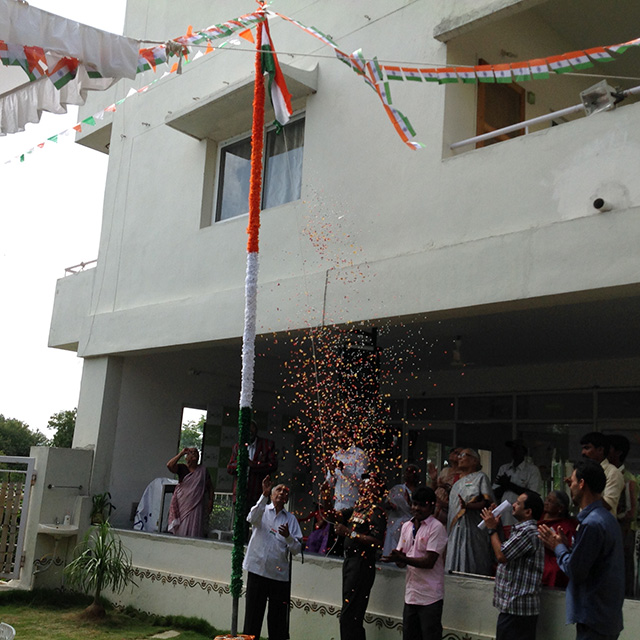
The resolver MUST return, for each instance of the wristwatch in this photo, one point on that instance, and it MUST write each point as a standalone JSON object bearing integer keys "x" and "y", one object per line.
{"x": 353, "y": 534}
{"x": 492, "y": 531}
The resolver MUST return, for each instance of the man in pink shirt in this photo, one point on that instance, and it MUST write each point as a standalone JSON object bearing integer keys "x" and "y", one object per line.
{"x": 421, "y": 549}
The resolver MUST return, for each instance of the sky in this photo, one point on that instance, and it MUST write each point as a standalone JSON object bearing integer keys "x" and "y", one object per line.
{"x": 50, "y": 216}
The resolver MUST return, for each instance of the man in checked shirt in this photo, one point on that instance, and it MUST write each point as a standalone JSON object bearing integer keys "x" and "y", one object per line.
{"x": 520, "y": 563}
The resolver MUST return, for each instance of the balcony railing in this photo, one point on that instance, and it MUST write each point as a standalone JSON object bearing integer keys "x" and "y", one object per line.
{"x": 525, "y": 124}
{"x": 77, "y": 268}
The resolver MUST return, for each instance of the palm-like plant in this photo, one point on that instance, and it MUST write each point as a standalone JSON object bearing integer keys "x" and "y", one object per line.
{"x": 100, "y": 561}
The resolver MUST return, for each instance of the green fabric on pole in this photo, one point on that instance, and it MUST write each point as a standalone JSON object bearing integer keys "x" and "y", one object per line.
{"x": 237, "y": 554}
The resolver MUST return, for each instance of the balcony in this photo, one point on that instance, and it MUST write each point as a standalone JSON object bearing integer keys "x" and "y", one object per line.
{"x": 71, "y": 308}
{"x": 523, "y": 31}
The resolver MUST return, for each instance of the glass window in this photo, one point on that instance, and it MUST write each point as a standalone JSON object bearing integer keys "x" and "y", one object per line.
{"x": 485, "y": 408}
{"x": 431, "y": 408}
{"x": 555, "y": 406}
{"x": 235, "y": 170}
{"x": 283, "y": 165}
{"x": 619, "y": 404}
{"x": 282, "y": 171}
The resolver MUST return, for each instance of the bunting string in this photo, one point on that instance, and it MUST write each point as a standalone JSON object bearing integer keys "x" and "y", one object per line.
{"x": 90, "y": 121}
{"x": 38, "y": 63}
{"x": 60, "y": 69}
{"x": 534, "y": 69}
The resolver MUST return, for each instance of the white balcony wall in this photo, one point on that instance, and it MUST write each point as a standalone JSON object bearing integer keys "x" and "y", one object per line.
{"x": 71, "y": 308}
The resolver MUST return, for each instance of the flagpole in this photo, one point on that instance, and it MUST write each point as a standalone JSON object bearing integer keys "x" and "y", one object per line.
{"x": 249, "y": 335}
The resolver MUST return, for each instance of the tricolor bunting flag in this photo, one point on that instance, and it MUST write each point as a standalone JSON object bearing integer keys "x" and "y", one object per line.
{"x": 578, "y": 60}
{"x": 429, "y": 75}
{"x": 621, "y": 48}
{"x": 559, "y": 64}
{"x": 600, "y": 54}
{"x": 539, "y": 69}
{"x": 36, "y": 62}
{"x": 467, "y": 74}
{"x": 375, "y": 72}
{"x": 411, "y": 74}
{"x": 521, "y": 71}
{"x": 63, "y": 71}
{"x": 485, "y": 73}
{"x": 394, "y": 73}
{"x": 447, "y": 75}
{"x": 502, "y": 73}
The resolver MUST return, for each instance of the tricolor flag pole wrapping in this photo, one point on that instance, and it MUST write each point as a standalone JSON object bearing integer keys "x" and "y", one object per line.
{"x": 249, "y": 335}
{"x": 278, "y": 92}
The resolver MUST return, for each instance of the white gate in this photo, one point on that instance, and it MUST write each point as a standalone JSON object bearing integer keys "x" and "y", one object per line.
{"x": 17, "y": 475}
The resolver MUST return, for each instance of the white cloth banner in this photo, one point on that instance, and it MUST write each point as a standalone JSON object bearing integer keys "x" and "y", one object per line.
{"x": 26, "y": 103}
{"x": 111, "y": 55}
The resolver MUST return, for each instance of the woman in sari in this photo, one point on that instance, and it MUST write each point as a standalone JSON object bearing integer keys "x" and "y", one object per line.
{"x": 193, "y": 497}
{"x": 469, "y": 548}
{"x": 556, "y": 515}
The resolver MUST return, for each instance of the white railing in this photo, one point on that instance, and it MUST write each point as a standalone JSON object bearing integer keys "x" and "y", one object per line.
{"x": 525, "y": 124}
{"x": 77, "y": 268}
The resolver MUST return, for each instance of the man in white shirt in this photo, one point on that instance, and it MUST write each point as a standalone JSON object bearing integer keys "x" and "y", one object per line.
{"x": 345, "y": 475}
{"x": 595, "y": 446}
{"x": 275, "y": 534}
{"x": 516, "y": 476}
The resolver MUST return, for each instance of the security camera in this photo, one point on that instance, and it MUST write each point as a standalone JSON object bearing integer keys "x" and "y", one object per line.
{"x": 601, "y": 205}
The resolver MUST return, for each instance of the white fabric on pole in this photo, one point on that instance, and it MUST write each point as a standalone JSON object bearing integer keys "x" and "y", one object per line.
{"x": 26, "y": 103}
{"x": 112, "y": 56}
{"x": 249, "y": 336}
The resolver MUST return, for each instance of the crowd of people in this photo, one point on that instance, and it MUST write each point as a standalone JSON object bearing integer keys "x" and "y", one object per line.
{"x": 449, "y": 525}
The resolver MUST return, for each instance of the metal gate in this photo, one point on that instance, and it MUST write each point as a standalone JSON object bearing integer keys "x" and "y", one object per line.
{"x": 16, "y": 478}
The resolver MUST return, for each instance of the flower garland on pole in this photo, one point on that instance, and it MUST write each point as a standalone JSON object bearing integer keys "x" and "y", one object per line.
{"x": 249, "y": 334}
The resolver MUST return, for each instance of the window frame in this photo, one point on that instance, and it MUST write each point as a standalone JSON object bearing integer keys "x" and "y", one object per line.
{"x": 217, "y": 184}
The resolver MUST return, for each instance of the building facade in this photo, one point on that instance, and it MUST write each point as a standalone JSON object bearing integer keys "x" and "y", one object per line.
{"x": 505, "y": 302}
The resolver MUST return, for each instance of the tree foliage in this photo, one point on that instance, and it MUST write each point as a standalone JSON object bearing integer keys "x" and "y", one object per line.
{"x": 191, "y": 434}
{"x": 16, "y": 438}
{"x": 64, "y": 424}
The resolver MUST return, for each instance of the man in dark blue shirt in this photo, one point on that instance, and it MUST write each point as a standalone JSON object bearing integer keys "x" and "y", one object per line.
{"x": 595, "y": 563}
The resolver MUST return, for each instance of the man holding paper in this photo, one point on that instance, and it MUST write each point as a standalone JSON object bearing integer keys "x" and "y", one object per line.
{"x": 520, "y": 563}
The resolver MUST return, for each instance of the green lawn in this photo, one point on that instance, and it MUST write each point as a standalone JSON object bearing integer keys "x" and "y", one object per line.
{"x": 56, "y": 616}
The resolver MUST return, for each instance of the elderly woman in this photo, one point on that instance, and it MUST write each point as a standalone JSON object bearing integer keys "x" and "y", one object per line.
{"x": 469, "y": 548}
{"x": 193, "y": 497}
{"x": 556, "y": 515}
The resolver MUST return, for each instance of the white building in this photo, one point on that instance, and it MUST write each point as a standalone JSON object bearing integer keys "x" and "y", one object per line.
{"x": 499, "y": 247}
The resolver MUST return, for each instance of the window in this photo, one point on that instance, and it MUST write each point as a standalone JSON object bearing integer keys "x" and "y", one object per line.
{"x": 282, "y": 179}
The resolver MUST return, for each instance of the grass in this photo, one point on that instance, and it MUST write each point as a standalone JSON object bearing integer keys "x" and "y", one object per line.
{"x": 56, "y": 616}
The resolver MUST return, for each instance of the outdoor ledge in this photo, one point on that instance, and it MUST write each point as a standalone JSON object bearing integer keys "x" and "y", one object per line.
{"x": 457, "y": 25}
{"x": 227, "y": 112}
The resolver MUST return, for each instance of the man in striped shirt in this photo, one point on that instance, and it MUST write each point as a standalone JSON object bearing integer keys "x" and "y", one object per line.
{"x": 520, "y": 564}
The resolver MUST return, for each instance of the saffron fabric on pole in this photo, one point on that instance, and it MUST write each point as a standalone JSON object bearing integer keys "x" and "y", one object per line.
{"x": 249, "y": 334}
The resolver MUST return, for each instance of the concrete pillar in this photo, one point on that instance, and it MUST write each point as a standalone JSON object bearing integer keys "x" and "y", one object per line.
{"x": 97, "y": 418}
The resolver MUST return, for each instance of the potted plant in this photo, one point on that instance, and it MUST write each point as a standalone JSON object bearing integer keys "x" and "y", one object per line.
{"x": 100, "y": 562}
{"x": 101, "y": 508}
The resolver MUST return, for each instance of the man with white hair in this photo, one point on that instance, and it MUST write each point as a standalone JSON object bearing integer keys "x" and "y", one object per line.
{"x": 275, "y": 534}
